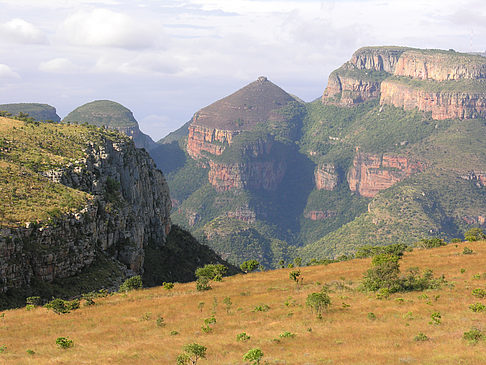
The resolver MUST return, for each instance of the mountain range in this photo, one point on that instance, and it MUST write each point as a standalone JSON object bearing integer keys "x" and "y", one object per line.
{"x": 391, "y": 153}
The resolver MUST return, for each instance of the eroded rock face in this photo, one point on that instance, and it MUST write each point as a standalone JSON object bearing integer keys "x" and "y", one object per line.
{"x": 442, "y": 105}
{"x": 319, "y": 215}
{"x": 253, "y": 174}
{"x": 372, "y": 173}
{"x": 348, "y": 91}
{"x": 440, "y": 65}
{"x": 210, "y": 140}
{"x": 326, "y": 177}
{"x": 377, "y": 58}
{"x": 121, "y": 223}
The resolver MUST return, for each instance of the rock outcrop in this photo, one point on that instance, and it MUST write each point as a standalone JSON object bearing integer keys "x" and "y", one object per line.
{"x": 319, "y": 215}
{"x": 372, "y": 173}
{"x": 202, "y": 139}
{"x": 360, "y": 78}
{"x": 326, "y": 177}
{"x": 130, "y": 208}
{"x": 442, "y": 104}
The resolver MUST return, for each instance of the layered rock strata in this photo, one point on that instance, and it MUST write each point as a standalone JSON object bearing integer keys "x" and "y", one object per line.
{"x": 372, "y": 173}
{"x": 130, "y": 208}
{"x": 326, "y": 177}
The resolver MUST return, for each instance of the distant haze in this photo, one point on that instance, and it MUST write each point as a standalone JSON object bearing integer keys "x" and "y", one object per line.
{"x": 164, "y": 60}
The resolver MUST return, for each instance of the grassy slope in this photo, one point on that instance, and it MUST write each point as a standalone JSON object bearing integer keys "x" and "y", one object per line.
{"x": 27, "y": 149}
{"x": 122, "y": 328}
{"x": 103, "y": 113}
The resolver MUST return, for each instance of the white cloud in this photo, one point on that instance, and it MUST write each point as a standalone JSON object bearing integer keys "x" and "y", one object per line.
{"x": 106, "y": 28}
{"x": 20, "y": 31}
{"x": 7, "y": 73}
{"x": 59, "y": 65}
{"x": 151, "y": 63}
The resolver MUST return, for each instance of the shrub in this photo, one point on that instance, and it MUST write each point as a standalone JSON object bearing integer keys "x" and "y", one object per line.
{"x": 474, "y": 234}
{"x": 253, "y": 356}
{"x": 160, "y": 321}
{"x": 167, "y": 286}
{"x": 261, "y": 308}
{"x": 369, "y": 251}
{"x": 3, "y": 348}
{"x": 133, "y": 283}
{"x": 202, "y": 284}
{"x": 421, "y": 337}
{"x": 211, "y": 272}
{"x": 430, "y": 243}
{"x": 477, "y": 307}
{"x": 467, "y": 251}
{"x": 479, "y": 293}
{"x": 30, "y": 352}
{"x": 371, "y": 316}
{"x": 242, "y": 337}
{"x": 60, "y": 306}
{"x": 228, "y": 303}
{"x": 35, "y": 301}
{"x": 287, "y": 334}
{"x": 192, "y": 353}
{"x": 436, "y": 317}
{"x": 473, "y": 335}
{"x": 174, "y": 333}
{"x": 456, "y": 240}
{"x": 249, "y": 266}
{"x": 295, "y": 275}
{"x": 64, "y": 342}
{"x": 383, "y": 273}
{"x": 318, "y": 302}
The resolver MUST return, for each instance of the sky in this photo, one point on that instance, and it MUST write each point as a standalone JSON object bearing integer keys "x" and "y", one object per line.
{"x": 166, "y": 59}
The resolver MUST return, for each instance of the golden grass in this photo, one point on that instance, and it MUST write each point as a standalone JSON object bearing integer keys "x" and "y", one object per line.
{"x": 114, "y": 331}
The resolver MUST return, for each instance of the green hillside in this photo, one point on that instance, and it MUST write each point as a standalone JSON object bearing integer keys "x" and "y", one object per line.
{"x": 102, "y": 113}
{"x": 39, "y": 112}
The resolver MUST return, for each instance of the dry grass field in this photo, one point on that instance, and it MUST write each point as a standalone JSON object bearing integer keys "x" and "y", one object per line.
{"x": 122, "y": 328}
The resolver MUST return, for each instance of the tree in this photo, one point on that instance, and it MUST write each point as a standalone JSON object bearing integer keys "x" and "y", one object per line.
{"x": 254, "y": 356}
{"x": 249, "y": 266}
{"x": 212, "y": 272}
{"x": 192, "y": 353}
{"x": 135, "y": 282}
{"x": 474, "y": 234}
{"x": 383, "y": 273}
{"x": 318, "y": 302}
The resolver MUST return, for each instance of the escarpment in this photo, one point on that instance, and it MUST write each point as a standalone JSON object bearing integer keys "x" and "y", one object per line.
{"x": 446, "y": 83}
{"x": 372, "y": 173}
{"x": 128, "y": 209}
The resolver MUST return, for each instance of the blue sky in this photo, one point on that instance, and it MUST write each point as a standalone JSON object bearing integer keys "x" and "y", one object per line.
{"x": 166, "y": 59}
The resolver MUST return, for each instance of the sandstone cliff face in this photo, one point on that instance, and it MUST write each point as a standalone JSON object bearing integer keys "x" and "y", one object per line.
{"x": 359, "y": 79}
{"x": 326, "y": 177}
{"x": 319, "y": 215}
{"x": 443, "y": 105}
{"x": 210, "y": 140}
{"x": 348, "y": 91}
{"x": 440, "y": 65}
{"x": 130, "y": 207}
{"x": 377, "y": 58}
{"x": 256, "y": 175}
{"x": 372, "y": 173}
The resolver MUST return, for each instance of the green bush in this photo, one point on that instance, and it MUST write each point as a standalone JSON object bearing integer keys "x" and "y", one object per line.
{"x": 287, "y": 334}
{"x": 467, "y": 251}
{"x": 167, "y": 286}
{"x": 202, "y": 284}
{"x": 474, "y": 234}
{"x": 35, "y": 301}
{"x": 60, "y": 306}
{"x": 421, "y": 337}
{"x": 474, "y": 335}
{"x": 369, "y": 250}
{"x": 479, "y": 293}
{"x": 371, "y": 316}
{"x": 477, "y": 307}
{"x": 242, "y": 337}
{"x": 261, "y": 308}
{"x": 430, "y": 243}
{"x": 64, "y": 342}
{"x": 133, "y": 283}
{"x": 3, "y": 348}
{"x": 253, "y": 356}
{"x": 436, "y": 318}
{"x": 318, "y": 302}
{"x": 192, "y": 353}
{"x": 249, "y": 266}
{"x": 212, "y": 272}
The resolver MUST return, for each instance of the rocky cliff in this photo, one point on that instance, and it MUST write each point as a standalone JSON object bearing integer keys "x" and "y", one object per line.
{"x": 210, "y": 140}
{"x": 372, "y": 173}
{"x": 129, "y": 208}
{"x": 326, "y": 177}
{"x": 360, "y": 78}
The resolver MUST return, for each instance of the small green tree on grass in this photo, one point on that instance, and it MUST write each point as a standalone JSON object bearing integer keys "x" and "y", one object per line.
{"x": 253, "y": 356}
{"x": 318, "y": 302}
{"x": 249, "y": 266}
{"x": 192, "y": 353}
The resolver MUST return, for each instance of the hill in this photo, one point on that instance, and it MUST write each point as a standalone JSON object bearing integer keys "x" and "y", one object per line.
{"x": 380, "y": 158}
{"x": 80, "y": 208}
{"x": 40, "y": 112}
{"x": 111, "y": 115}
{"x": 151, "y": 326}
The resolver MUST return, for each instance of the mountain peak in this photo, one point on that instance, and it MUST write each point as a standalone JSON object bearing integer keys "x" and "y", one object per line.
{"x": 246, "y": 107}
